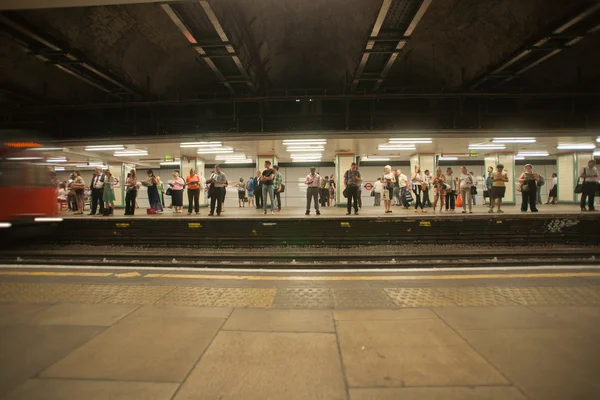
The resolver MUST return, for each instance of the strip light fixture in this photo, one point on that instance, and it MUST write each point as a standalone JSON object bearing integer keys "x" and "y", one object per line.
{"x": 170, "y": 163}
{"x": 201, "y": 144}
{"x": 222, "y": 150}
{"x": 585, "y": 146}
{"x": 533, "y": 154}
{"x": 447, "y": 158}
{"x": 46, "y": 149}
{"x": 596, "y": 154}
{"x": 232, "y": 156}
{"x": 514, "y": 140}
{"x": 305, "y": 148}
{"x": 5, "y": 224}
{"x": 24, "y": 158}
{"x": 395, "y": 147}
{"x": 59, "y": 169}
{"x": 130, "y": 153}
{"x": 411, "y": 140}
{"x": 239, "y": 161}
{"x": 304, "y": 141}
{"x": 105, "y": 147}
{"x": 375, "y": 158}
{"x": 56, "y": 159}
{"x": 519, "y": 157}
{"x": 487, "y": 147}
{"x": 48, "y": 219}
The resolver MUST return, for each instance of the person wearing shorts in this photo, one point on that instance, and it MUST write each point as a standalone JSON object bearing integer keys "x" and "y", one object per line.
{"x": 499, "y": 179}
{"x": 250, "y": 191}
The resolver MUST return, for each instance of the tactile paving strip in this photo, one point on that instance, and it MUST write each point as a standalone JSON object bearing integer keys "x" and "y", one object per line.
{"x": 550, "y": 296}
{"x": 138, "y": 295}
{"x": 192, "y": 296}
{"x": 362, "y": 298}
{"x": 246, "y": 297}
{"x": 94, "y": 293}
{"x": 419, "y": 297}
{"x": 36, "y": 292}
{"x": 475, "y": 296}
{"x": 303, "y": 298}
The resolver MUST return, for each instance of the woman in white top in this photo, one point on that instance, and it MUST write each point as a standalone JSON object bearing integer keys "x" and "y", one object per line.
{"x": 388, "y": 180}
{"x": 418, "y": 187}
{"x": 439, "y": 182}
{"x": 176, "y": 186}
{"x": 465, "y": 183}
{"x": 553, "y": 194}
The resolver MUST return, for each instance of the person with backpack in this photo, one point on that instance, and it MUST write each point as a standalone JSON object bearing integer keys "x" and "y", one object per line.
{"x": 250, "y": 191}
{"x": 241, "y": 187}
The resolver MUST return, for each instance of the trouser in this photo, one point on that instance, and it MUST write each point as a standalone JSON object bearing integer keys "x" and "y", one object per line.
{"x": 426, "y": 201}
{"x": 450, "y": 198}
{"x": 278, "y": 197}
{"x": 359, "y": 197}
{"x": 403, "y": 197}
{"x": 193, "y": 200}
{"x": 312, "y": 193}
{"x": 539, "y": 195}
{"x": 467, "y": 198}
{"x": 268, "y": 190}
{"x": 352, "y": 194}
{"x": 323, "y": 197}
{"x": 589, "y": 192}
{"x": 396, "y": 194}
{"x": 258, "y": 196}
{"x": 97, "y": 198}
{"x": 378, "y": 199}
{"x": 418, "y": 192}
{"x": 529, "y": 196}
{"x": 130, "y": 196}
{"x": 473, "y": 196}
{"x": 216, "y": 198}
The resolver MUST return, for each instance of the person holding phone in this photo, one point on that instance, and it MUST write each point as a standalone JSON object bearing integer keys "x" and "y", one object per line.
{"x": 193, "y": 190}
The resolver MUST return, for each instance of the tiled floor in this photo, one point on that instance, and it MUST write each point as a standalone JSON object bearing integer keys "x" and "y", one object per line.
{"x": 178, "y": 341}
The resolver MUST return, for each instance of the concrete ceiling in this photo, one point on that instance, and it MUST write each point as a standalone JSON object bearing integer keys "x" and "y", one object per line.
{"x": 293, "y": 44}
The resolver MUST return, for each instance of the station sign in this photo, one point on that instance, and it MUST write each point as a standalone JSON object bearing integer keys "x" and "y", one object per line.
{"x": 368, "y": 186}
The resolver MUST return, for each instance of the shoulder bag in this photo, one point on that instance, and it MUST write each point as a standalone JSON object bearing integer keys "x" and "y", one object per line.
{"x": 579, "y": 186}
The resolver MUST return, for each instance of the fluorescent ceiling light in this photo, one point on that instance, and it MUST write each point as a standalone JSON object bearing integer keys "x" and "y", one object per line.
{"x": 533, "y": 154}
{"x": 131, "y": 152}
{"x": 305, "y": 148}
{"x": 59, "y": 169}
{"x": 57, "y": 159}
{"x": 5, "y": 224}
{"x": 519, "y": 157}
{"x": 300, "y": 160}
{"x": 105, "y": 147}
{"x": 584, "y": 146}
{"x": 514, "y": 140}
{"x": 236, "y": 161}
{"x": 442, "y": 158}
{"x": 300, "y": 155}
{"x": 46, "y": 149}
{"x": 170, "y": 163}
{"x": 393, "y": 147}
{"x": 411, "y": 141}
{"x": 598, "y": 140}
{"x": 596, "y": 153}
{"x": 486, "y": 147}
{"x": 223, "y": 150}
{"x": 201, "y": 144}
{"x": 48, "y": 219}
{"x": 304, "y": 141}
{"x": 375, "y": 158}
{"x": 24, "y": 158}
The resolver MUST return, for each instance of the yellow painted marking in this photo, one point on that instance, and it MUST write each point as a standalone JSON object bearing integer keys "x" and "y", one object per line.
{"x": 194, "y": 225}
{"x": 498, "y": 221}
{"x": 49, "y": 273}
{"x": 424, "y": 223}
{"x": 128, "y": 275}
{"x": 125, "y": 225}
{"x": 345, "y": 224}
{"x": 374, "y": 278}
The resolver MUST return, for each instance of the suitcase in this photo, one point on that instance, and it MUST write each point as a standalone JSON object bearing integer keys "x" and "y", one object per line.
{"x": 106, "y": 211}
{"x": 151, "y": 211}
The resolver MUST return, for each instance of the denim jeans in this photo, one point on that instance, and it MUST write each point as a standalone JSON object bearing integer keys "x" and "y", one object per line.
{"x": 270, "y": 190}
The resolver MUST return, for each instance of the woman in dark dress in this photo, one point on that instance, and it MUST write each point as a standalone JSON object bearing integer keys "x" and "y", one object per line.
{"x": 153, "y": 195}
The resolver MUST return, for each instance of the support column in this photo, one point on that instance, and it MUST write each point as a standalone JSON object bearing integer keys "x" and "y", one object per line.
{"x": 201, "y": 171}
{"x": 569, "y": 167}
{"x": 343, "y": 161}
{"x": 118, "y": 173}
{"x": 508, "y": 160}
{"x": 425, "y": 161}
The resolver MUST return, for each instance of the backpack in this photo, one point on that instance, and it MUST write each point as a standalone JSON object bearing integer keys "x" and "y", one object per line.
{"x": 250, "y": 185}
{"x": 282, "y": 190}
{"x": 542, "y": 181}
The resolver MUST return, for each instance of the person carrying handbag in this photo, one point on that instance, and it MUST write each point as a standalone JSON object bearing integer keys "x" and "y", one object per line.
{"x": 589, "y": 187}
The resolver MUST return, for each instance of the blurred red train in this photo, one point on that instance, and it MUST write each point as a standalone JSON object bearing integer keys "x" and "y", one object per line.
{"x": 27, "y": 191}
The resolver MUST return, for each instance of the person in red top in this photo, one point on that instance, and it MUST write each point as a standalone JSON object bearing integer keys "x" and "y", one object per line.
{"x": 193, "y": 189}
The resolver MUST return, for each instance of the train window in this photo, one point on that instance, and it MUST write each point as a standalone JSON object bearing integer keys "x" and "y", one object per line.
{"x": 25, "y": 175}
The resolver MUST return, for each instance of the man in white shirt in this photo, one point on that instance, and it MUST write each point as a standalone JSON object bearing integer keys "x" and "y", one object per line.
{"x": 403, "y": 184}
{"x": 377, "y": 186}
{"x": 97, "y": 187}
{"x": 313, "y": 181}
{"x": 590, "y": 185}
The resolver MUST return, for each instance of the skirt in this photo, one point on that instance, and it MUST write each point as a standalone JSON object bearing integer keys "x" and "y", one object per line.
{"x": 241, "y": 195}
{"x": 553, "y": 192}
{"x": 177, "y": 198}
{"x": 386, "y": 194}
{"x": 108, "y": 195}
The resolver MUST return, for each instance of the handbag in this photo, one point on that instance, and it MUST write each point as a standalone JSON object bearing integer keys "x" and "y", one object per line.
{"x": 151, "y": 211}
{"x": 423, "y": 186}
{"x": 486, "y": 193}
{"x": 345, "y": 193}
{"x": 169, "y": 192}
{"x": 372, "y": 193}
{"x": 579, "y": 186}
{"x": 459, "y": 201}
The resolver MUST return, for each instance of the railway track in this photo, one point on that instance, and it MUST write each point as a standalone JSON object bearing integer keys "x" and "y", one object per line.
{"x": 305, "y": 261}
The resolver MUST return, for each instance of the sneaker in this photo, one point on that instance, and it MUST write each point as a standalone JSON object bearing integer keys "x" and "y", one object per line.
{"x": 347, "y": 213}
{"x": 189, "y": 213}
{"x": 491, "y": 210}
{"x": 470, "y": 212}
{"x": 356, "y": 213}
{"x": 318, "y": 212}
{"x": 264, "y": 213}
{"x": 308, "y": 213}
{"x": 500, "y": 211}
{"x": 583, "y": 209}
{"x": 464, "y": 212}
{"x": 210, "y": 214}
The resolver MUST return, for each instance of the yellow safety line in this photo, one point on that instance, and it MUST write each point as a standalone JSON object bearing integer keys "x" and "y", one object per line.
{"x": 374, "y": 278}
{"x": 306, "y": 278}
{"x": 48, "y": 273}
